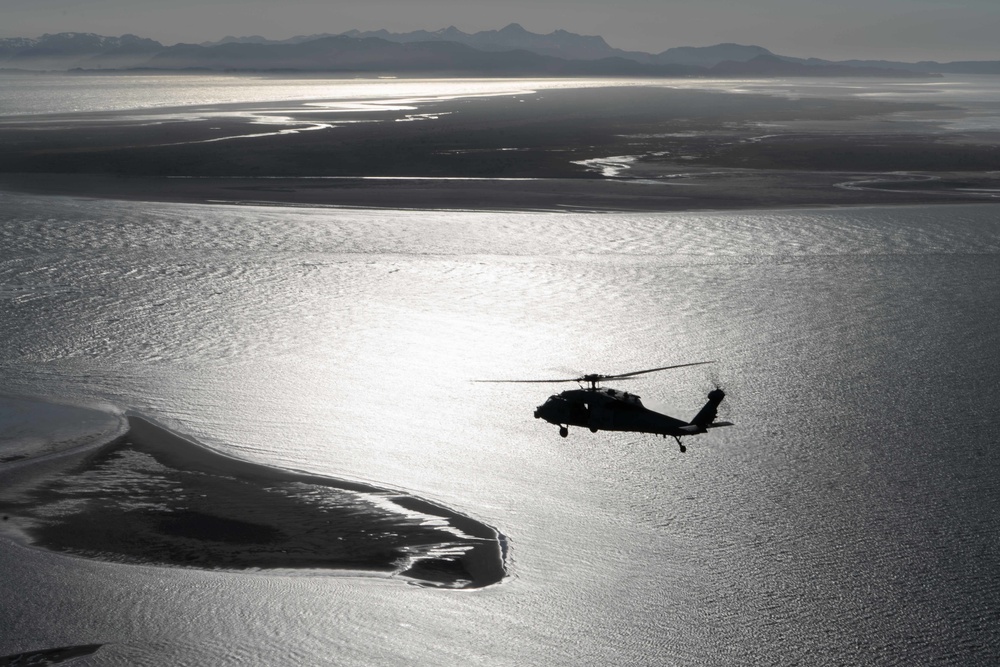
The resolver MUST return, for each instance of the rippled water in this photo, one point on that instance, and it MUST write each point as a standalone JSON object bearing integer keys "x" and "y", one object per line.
{"x": 851, "y": 516}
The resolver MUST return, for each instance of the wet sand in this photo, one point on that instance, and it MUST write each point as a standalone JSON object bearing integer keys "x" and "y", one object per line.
{"x": 669, "y": 150}
{"x": 154, "y": 497}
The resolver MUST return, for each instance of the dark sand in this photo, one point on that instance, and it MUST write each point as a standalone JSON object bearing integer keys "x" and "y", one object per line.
{"x": 691, "y": 150}
{"x": 52, "y": 656}
{"x": 152, "y": 497}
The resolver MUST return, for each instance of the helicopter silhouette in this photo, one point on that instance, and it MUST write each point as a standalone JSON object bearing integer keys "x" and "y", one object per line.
{"x": 605, "y": 409}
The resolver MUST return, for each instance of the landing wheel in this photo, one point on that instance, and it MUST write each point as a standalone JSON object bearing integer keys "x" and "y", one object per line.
{"x": 594, "y": 429}
{"x": 683, "y": 449}
{"x": 563, "y": 431}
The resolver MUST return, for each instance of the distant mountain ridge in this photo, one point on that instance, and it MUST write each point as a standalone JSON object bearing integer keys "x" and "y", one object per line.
{"x": 558, "y": 44}
{"x": 511, "y": 50}
{"x": 563, "y": 44}
{"x": 710, "y": 56}
{"x": 73, "y": 49}
{"x": 373, "y": 55}
{"x": 75, "y": 43}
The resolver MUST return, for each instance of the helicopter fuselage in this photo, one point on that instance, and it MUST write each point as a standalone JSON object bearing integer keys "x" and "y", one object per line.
{"x": 605, "y": 409}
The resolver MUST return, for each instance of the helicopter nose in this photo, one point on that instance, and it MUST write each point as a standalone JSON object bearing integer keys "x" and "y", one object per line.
{"x": 538, "y": 412}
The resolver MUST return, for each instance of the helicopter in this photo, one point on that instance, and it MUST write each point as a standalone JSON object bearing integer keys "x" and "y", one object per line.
{"x": 605, "y": 409}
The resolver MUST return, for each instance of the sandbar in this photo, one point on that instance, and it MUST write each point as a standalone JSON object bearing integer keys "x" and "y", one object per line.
{"x": 51, "y": 656}
{"x": 154, "y": 497}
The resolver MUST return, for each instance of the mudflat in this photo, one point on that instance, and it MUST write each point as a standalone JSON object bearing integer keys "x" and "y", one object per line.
{"x": 618, "y": 148}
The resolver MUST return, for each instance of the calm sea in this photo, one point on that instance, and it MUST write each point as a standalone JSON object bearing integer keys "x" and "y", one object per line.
{"x": 852, "y": 516}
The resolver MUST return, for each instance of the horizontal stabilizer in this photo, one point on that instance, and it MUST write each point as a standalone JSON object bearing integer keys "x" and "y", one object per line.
{"x": 695, "y": 429}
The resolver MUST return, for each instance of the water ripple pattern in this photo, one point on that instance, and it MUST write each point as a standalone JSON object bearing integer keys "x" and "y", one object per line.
{"x": 850, "y": 516}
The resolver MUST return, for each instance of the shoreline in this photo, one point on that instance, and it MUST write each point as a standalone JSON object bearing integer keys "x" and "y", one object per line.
{"x": 707, "y": 192}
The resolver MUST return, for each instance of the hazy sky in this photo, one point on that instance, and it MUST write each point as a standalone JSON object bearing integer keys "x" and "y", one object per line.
{"x": 894, "y": 29}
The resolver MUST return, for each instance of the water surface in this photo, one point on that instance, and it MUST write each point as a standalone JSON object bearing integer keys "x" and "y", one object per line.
{"x": 849, "y": 518}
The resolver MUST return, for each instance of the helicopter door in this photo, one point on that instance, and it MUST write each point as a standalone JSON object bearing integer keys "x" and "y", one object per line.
{"x": 601, "y": 417}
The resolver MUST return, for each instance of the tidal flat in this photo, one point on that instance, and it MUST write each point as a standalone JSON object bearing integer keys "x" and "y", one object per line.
{"x": 619, "y": 147}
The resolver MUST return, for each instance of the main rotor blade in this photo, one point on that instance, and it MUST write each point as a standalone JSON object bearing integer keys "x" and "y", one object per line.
{"x": 597, "y": 377}
{"x": 530, "y": 381}
{"x": 653, "y": 370}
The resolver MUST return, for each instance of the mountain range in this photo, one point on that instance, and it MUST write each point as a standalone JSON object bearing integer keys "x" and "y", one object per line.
{"x": 509, "y": 51}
